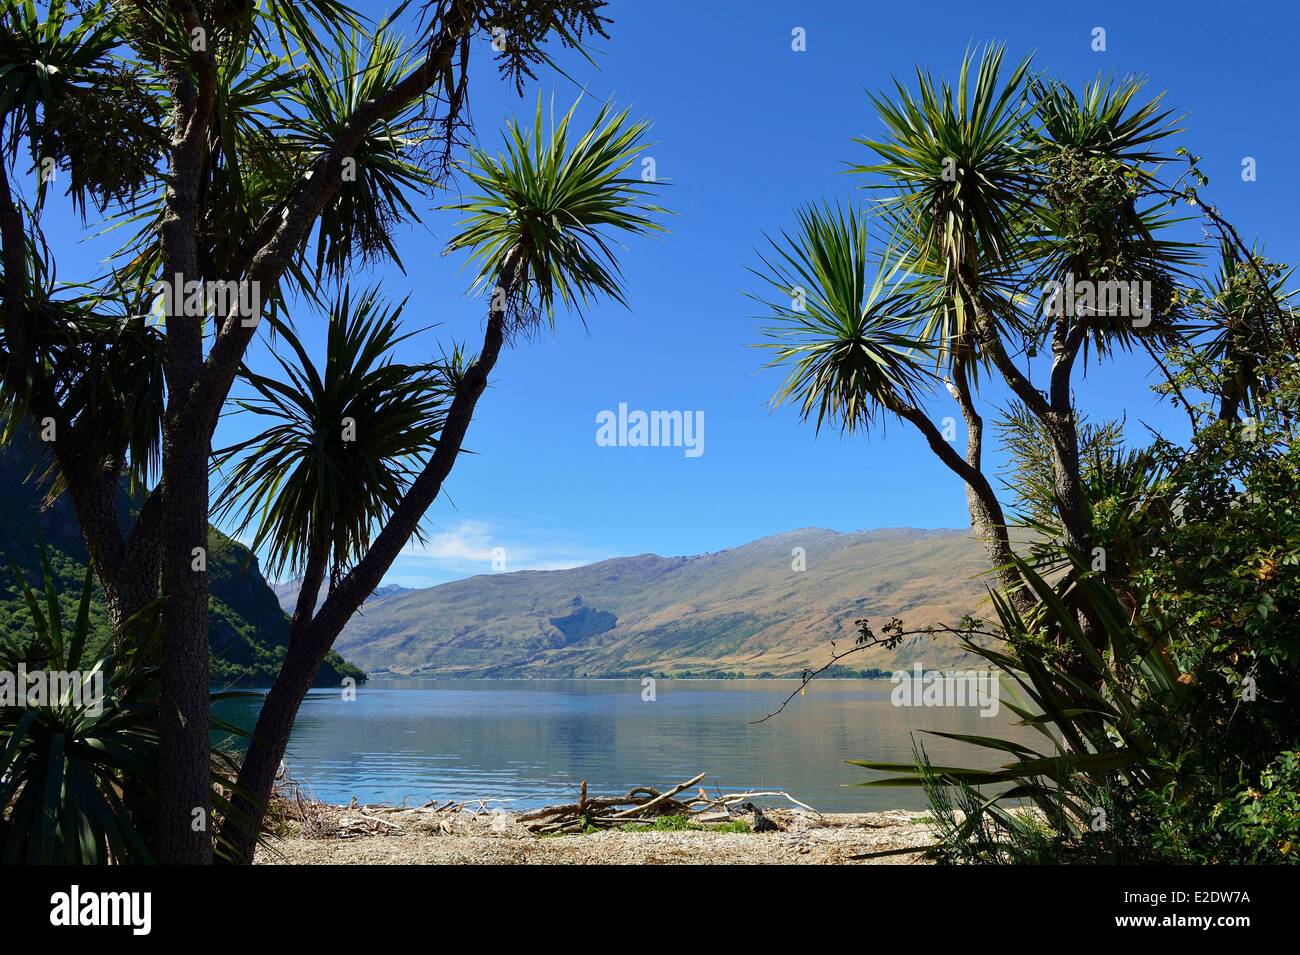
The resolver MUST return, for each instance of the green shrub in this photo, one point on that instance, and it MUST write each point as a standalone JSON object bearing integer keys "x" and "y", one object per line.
{"x": 77, "y": 773}
{"x": 1266, "y": 821}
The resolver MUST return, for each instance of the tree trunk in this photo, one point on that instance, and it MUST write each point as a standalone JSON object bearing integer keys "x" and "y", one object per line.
{"x": 185, "y": 791}
{"x": 197, "y": 391}
{"x": 125, "y": 566}
{"x": 267, "y": 747}
{"x": 1067, "y": 482}
{"x": 987, "y": 518}
{"x": 128, "y": 575}
{"x": 279, "y": 709}
{"x": 986, "y": 514}
{"x": 1058, "y": 417}
{"x": 1056, "y": 412}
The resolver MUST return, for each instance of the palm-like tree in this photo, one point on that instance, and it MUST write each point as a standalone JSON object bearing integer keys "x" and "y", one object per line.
{"x": 991, "y": 187}
{"x": 1243, "y": 313}
{"x": 345, "y": 443}
{"x": 852, "y": 336}
{"x": 539, "y": 230}
{"x": 1096, "y": 154}
{"x": 226, "y": 162}
{"x": 838, "y": 324}
{"x": 60, "y": 75}
{"x": 372, "y": 196}
{"x": 953, "y": 166}
{"x": 958, "y": 191}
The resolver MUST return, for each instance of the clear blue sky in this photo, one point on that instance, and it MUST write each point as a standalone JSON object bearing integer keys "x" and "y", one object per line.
{"x": 747, "y": 130}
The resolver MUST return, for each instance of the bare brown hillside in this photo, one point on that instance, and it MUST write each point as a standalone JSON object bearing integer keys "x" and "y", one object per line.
{"x": 741, "y": 610}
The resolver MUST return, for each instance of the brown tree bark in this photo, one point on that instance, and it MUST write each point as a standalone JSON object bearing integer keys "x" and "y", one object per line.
{"x": 986, "y": 515}
{"x": 197, "y": 391}
{"x": 987, "y": 518}
{"x": 1056, "y": 412}
{"x": 184, "y": 822}
{"x": 126, "y": 566}
{"x": 185, "y": 789}
{"x": 125, "y": 560}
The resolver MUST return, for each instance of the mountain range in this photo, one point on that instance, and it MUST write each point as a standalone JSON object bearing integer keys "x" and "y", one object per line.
{"x": 768, "y": 608}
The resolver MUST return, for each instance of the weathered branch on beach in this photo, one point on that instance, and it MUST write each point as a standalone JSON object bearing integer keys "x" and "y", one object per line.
{"x": 644, "y": 805}
{"x": 742, "y": 798}
{"x": 656, "y": 801}
{"x": 641, "y": 806}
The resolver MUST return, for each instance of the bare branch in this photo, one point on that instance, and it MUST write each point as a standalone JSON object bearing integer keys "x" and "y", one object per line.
{"x": 810, "y": 675}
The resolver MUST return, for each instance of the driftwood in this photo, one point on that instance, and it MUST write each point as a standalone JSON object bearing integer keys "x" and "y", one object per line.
{"x": 644, "y": 805}
{"x": 640, "y": 806}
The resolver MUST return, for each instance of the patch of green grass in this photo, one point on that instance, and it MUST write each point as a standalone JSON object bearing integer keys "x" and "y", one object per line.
{"x": 668, "y": 824}
{"x": 662, "y": 824}
{"x": 686, "y": 824}
{"x": 736, "y": 825}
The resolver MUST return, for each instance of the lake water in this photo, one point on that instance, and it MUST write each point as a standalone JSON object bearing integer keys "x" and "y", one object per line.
{"x": 531, "y": 742}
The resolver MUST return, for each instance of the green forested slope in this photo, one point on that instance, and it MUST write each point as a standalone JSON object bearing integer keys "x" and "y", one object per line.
{"x": 247, "y": 628}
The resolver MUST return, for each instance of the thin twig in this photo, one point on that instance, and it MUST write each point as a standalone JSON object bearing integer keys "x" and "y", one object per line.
{"x": 809, "y": 676}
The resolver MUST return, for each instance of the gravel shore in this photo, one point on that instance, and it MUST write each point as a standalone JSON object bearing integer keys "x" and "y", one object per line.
{"x": 375, "y": 835}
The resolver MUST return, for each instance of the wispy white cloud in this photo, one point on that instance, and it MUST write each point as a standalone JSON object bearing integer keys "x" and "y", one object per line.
{"x": 467, "y": 542}
{"x": 478, "y": 547}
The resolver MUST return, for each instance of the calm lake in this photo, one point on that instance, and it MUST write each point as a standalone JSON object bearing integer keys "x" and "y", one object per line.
{"x": 531, "y": 742}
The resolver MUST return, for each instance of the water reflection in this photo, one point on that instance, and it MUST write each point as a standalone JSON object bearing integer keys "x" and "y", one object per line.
{"x": 532, "y": 741}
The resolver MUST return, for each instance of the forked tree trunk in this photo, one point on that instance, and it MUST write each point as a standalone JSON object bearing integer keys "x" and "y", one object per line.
{"x": 197, "y": 390}
{"x": 129, "y": 571}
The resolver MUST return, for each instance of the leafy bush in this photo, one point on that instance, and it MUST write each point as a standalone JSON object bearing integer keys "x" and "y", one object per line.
{"x": 1176, "y": 741}
{"x": 75, "y": 771}
{"x": 78, "y": 772}
{"x": 1267, "y": 820}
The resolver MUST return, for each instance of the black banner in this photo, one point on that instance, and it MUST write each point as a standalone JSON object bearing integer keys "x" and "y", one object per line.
{"x": 141, "y": 906}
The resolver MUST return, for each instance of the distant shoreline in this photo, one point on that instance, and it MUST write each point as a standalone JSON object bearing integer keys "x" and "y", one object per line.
{"x": 872, "y": 674}
{"x": 696, "y": 677}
